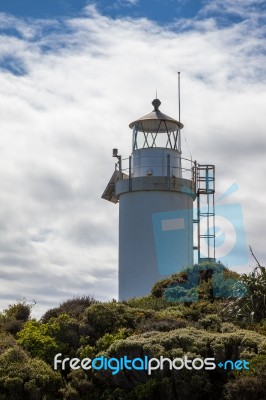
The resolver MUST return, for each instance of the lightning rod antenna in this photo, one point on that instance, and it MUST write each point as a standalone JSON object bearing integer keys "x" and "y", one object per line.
{"x": 179, "y": 114}
{"x": 179, "y": 103}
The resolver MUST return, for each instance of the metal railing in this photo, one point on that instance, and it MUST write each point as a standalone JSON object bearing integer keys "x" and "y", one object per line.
{"x": 186, "y": 168}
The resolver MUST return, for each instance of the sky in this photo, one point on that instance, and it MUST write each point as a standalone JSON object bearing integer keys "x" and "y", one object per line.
{"x": 73, "y": 75}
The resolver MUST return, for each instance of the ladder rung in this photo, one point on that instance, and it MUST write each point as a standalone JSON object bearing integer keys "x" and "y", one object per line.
{"x": 205, "y": 176}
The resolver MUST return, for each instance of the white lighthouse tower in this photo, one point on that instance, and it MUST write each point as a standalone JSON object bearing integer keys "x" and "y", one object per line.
{"x": 155, "y": 189}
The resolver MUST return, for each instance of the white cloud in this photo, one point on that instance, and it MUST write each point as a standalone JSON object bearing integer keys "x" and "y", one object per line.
{"x": 85, "y": 79}
{"x": 242, "y": 8}
{"x": 132, "y": 2}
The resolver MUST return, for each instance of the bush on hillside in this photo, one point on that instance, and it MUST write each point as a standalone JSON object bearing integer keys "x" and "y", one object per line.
{"x": 73, "y": 307}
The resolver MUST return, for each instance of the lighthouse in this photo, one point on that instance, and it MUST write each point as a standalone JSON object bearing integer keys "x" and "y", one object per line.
{"x": 155, "y": 188}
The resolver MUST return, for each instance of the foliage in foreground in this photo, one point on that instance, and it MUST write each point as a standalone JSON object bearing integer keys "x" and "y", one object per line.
{"x": 156, "y": 325}
{"x": 250, "y": 306}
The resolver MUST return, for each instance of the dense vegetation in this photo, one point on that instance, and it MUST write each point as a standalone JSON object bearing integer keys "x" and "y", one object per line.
{"x": 204, "y": 311}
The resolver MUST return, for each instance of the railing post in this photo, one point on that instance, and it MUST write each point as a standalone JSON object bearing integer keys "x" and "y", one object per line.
{"x": 120, "y": 166}
{"x": 130, "y": 177}
{"x": 195, "y": 177}
{"x": 168, "y": 171}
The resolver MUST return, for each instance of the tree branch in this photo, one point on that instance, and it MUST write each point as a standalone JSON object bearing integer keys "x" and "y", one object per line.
{"x": 253, "y": 255}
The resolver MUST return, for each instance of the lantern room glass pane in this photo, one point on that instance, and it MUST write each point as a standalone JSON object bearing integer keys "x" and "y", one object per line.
{"x": 142, "y": 140}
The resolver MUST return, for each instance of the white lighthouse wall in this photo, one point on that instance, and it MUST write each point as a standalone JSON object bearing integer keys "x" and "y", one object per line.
{"x": 154, "y": 161}
{"x": 155, "y": 238}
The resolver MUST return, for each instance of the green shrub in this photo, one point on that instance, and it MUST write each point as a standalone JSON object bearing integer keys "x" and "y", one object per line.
{"x": 211, "y": 322}
{"x": 14, "y": 317}
{"x": 147, "y": 303}
{"x": 23, "y": 378}
{"x": 109, "y": 317}
{"x": 73, "y": 307}
{"x": 248, "y": 384}
{"x": 38, "y": 341}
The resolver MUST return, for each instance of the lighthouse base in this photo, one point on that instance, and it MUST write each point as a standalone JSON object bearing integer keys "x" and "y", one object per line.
{"x": 155, "y": 238}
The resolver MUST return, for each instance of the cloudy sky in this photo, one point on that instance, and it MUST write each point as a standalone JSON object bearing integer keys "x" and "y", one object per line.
{"x": 73, "y": 74}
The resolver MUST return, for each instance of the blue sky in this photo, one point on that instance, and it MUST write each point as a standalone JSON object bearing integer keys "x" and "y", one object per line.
{"x": 161, "y": 11}
{"x": 73, "y": 75}
{"x": 157, "y": 10}
{"x": 41, "y": 8}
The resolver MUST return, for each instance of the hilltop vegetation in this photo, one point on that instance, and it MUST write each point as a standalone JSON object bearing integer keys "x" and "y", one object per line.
{"x": 200, "y": 312}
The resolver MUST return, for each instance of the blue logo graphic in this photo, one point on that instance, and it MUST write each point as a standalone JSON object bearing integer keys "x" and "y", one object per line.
{"x": 173, "y": 233}
{"x": 233, "y": 250}
{"x": 231, "y": 246}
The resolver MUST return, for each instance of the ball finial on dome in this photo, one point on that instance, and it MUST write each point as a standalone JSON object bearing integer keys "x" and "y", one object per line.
{"x": 156, "y": 104}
